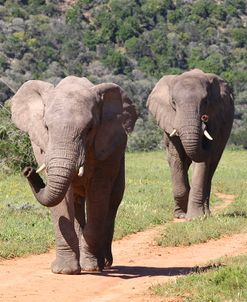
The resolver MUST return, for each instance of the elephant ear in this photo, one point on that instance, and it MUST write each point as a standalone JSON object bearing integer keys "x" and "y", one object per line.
{"x": 117, "y": 118}
{"x": 159, "y": 103}
{"x": 27, "y": 108}
{"x": 222, "y": 96}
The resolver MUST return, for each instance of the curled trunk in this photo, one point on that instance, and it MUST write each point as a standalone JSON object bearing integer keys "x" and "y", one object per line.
{"x": 58, "y": 181}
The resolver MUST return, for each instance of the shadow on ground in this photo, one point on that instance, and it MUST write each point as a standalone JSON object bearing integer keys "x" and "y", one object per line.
{"x": 130, "y": 272}
{"x": 235, "y": 214}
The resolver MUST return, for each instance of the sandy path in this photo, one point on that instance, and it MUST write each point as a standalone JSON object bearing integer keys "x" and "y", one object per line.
{"x": 138, "y": 264}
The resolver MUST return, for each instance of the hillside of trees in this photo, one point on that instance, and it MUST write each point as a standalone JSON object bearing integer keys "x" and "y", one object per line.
{"x": 132, "y": 43}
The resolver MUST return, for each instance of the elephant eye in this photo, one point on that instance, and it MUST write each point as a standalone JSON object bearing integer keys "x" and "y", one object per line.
{"x": 173, "y": 104}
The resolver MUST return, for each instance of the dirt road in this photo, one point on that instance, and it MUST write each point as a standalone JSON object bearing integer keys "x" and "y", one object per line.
{"x": 138, "y": 264}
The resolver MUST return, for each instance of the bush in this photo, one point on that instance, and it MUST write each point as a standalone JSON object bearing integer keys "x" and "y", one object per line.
{"x": 15, "y": 147}
{"x": 146, "y": 137}
{"x": 240, "y": 36}
{"x": 116, "y": 60}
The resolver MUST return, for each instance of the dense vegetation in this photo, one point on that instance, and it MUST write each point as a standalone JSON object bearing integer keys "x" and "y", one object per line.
{"x": 132, "y": 44}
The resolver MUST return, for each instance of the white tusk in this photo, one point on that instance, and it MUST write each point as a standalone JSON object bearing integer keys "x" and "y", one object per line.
{"x": 174, "y": 132}
{"x": 207, "y": 135}
{"x": 81, "y": 170}
{"x": 41, "y": 168}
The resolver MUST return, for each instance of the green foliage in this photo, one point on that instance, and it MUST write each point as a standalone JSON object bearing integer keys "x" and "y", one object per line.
{"x": 117, "y": 61}
{"x": 214, "y": 62}
{"x": 15, "y": 146}
{"x": 203, "y": 8}
{"x": 147, "y": 136}
{"x": 240, "y": 36}
{"x": 134, "y": 40}
{"x": 128, "y": 29}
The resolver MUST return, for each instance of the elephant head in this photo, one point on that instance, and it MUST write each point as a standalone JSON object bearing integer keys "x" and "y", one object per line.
{"x": 63, "y": 121}
{"x": 192, "y": 106}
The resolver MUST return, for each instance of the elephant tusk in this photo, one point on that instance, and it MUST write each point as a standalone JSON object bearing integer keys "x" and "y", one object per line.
{"x": 41, "y": 168}
{"x": 81, "y": 170}
{"x": 174, "y": 132}
{"x": 207, "y": 135}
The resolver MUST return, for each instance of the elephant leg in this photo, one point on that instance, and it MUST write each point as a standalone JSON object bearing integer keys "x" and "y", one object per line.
{"x": 92, "y": 241}
{"x": 212, "y": 167}
{"x": 67, "y": 245}
{"x": 179, "y": 164}
{"x": 200, "y": 190}
{"x": 115, "y": 199}
{"x": 80, "y": 219}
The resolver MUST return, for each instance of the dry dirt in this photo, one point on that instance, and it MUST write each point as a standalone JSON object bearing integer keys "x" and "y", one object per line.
{"x": 138, "y": 264}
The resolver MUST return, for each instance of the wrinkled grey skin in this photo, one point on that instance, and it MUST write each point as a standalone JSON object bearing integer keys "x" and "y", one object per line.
{"x": 72, "y": 125}
{"x": 180, "y": 102}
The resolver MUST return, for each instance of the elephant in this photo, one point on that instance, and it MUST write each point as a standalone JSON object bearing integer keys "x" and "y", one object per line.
{"x": 78, "y": 133}
{"x": 196, "y": 111}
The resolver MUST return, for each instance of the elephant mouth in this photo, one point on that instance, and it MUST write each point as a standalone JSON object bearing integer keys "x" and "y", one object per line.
{"x": 196, "y": 143}
{"x": 206, "y": 144}
{"x": 206, "y": 138}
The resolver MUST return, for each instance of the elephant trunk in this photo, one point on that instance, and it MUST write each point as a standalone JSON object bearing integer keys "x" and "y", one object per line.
{"x": 191, "y": 135}
{"x": 58, "y": 180}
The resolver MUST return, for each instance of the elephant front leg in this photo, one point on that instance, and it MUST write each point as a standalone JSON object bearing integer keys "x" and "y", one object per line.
{"x": 67, "y": 245}
{"x": 179, "y": 165}
{"x": 116, "y": 197}
{"x": 200, "y": 190}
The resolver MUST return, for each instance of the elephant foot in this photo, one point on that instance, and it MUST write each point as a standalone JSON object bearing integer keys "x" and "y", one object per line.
{"x": 194, "y": 213}
{"x": 179, "y": 215}
{"x": 62, "y": 265}
{"x": 108, "y": 260}
{"x": 90, "y": 263}
{"x": 207, "y": 212}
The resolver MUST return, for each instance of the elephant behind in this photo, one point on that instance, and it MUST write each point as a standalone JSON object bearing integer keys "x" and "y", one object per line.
{"x": 195, "y": 110}
{"x": 78, "y": 133}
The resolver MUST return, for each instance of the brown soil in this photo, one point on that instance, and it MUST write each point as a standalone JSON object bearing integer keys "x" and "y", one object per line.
{"x": 138, "y": 264}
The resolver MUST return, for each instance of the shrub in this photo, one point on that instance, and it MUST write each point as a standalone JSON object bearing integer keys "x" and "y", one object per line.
{"x": 116, "y": 60}
{"x": 15, "y": 147}
{"x": 146, "y": 137}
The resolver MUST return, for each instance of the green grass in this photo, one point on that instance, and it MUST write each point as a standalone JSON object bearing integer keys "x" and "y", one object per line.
{"x": 148, "y": 195}
{"x": 201, "y": 230}
{"x": 25, "y": 226}
{"x": 225, "y": 282}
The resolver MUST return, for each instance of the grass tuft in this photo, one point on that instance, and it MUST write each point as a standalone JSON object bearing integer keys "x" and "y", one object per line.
{"x": 227, "y": 282}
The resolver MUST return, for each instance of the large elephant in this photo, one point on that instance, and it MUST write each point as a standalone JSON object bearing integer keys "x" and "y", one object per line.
{"x": 195, "y": 110}
{"x": 79, "y": 132}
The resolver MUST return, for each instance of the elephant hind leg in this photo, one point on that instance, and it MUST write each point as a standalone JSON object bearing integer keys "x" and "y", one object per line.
{"x": 92, "y": 239}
